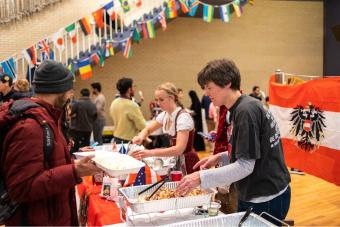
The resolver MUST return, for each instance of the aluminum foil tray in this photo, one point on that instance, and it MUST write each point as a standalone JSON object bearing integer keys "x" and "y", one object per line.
{"x": 225, "y": 220}
{"x": 131, "y": 197}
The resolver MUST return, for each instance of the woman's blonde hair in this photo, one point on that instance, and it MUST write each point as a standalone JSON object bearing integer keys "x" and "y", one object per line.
{"x": 170, "y": 89}
{"x": 22, "y": 85}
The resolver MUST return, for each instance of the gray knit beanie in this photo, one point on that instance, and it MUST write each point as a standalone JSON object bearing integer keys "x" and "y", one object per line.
{"x": 52, "y": 77}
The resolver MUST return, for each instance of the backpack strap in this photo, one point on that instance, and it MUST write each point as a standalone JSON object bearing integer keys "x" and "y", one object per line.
{"x": 18, "y": 108}
{"x": 48, "y": 137}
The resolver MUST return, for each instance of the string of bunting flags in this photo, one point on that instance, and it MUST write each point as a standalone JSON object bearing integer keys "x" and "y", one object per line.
{"x": 91, "y": 39}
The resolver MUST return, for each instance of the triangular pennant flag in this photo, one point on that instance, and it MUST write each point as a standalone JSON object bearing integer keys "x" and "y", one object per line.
{"x": 30, "y": 56}
{"x": 8, "y": 67}
{"x": 122, "y": 149}
{"x": 162, "y": 20}
{"x": 237, "y": 9}
{"x": 145, "y": 176}
{"x": 126, "y": 48}
{"x": 208, "y": 13}
{"x": 151, "y": 29}
{"x": 184, "y": 6}
{"x": 136, "y": 34}
{"x": 225, "y": 13}
{"x": 71, "y": 30}
{"x": 58, "y": 40}
{"x": 98, "y": 18}
{"x": 85, "y": 25}
{"x": 193, "y": 8}
{"x": 85, "y": 69}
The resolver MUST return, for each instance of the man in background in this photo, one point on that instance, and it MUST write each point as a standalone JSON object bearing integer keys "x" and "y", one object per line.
{"x": 127, "y": 117}
{"x": 100, "y": 105}
{"x": 256, "y": 93}
{"x": 84, "y": 113}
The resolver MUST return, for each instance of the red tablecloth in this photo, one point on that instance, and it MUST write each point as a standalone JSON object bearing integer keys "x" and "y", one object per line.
{"x": 100, "y": 211}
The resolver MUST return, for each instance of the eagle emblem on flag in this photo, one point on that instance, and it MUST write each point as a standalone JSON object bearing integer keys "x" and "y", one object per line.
{"x": 307, "y": 126}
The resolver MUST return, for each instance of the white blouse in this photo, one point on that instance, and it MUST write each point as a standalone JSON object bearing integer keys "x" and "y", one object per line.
{"x": 184, "y": 121}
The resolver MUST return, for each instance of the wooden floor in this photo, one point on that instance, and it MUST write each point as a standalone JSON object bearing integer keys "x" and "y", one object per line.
{"x": 314, "y": 202}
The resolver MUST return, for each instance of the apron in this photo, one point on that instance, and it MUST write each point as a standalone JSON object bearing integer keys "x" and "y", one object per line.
{"x": 186, "y": 161}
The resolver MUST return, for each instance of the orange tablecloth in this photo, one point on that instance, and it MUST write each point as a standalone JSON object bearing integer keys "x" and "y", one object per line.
{"x": 100, "y": 211}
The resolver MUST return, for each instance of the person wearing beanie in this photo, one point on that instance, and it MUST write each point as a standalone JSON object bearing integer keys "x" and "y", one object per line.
{"x": 7, "y": 91}
{"x": 46, "y": 192}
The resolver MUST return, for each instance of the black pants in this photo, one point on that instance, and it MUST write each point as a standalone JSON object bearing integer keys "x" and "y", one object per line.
{"x": 278, "y": 207}
{"x": 81, "y": 139}
{"x": 98, "y": 130}
{"x": 159, "y": 141}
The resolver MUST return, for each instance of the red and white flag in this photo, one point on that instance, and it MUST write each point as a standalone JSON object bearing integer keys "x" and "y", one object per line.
{"x": 58, "y": 40}
{"x": 308, "y": 116}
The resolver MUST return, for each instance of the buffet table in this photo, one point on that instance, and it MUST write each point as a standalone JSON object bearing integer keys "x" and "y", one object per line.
{"x": 102, "y": 212}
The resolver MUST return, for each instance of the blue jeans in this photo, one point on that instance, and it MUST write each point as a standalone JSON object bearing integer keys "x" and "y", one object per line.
{"x": 277, "y": 207}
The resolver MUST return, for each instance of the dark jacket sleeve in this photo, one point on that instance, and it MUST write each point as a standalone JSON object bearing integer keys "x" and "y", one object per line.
{"x": 25, "y": 176}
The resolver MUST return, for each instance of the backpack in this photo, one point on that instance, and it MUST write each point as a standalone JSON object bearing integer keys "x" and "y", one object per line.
{"x": 10, "y": 113}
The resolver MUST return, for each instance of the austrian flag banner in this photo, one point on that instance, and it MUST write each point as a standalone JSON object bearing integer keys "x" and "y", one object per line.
{"x": 308, "y": 116}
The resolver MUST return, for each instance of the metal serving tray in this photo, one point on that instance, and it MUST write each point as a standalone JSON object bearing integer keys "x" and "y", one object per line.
{"x": 225, "y": 220}
{"x": 131, "y": 197}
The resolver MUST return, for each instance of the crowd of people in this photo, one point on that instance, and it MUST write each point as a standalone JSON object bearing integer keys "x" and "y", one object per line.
{"x": 247, "y": 165}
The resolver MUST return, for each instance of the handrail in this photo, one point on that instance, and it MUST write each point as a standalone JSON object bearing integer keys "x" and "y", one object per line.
{"x": 11, "y": 10}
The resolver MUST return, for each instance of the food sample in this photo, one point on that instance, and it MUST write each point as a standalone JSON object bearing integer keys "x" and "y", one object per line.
{"x": 166, "y": 193}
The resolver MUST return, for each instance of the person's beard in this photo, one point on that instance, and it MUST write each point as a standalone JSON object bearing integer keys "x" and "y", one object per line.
{"x": 61, "y": 101}
{"x": 132, "y": 93}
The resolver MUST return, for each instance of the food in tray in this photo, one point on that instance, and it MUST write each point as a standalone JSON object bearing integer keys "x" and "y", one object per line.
{"x": 159, "y": 163}
{"x": 166, "y": 193}
{"x": 135, "y": 147}
{"x": 114, "y": 165}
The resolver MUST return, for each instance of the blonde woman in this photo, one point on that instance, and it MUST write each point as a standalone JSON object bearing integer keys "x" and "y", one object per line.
{"x": 178, "y": 124}
{"x": 22, "y": 85}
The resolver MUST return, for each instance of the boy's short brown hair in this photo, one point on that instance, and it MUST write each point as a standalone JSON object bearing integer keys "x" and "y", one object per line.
{"x": 221, "y": 72}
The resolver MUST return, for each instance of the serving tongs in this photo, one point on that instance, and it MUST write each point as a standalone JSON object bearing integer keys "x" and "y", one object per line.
{"x": 161, "y": 182}
{"x": 245, "y": 216}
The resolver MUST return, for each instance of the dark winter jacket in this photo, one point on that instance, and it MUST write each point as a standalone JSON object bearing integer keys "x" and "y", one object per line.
{"x": 85, "y": 112}
{"x": 46, "y": 193}
{"x": 15, "y": 95}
